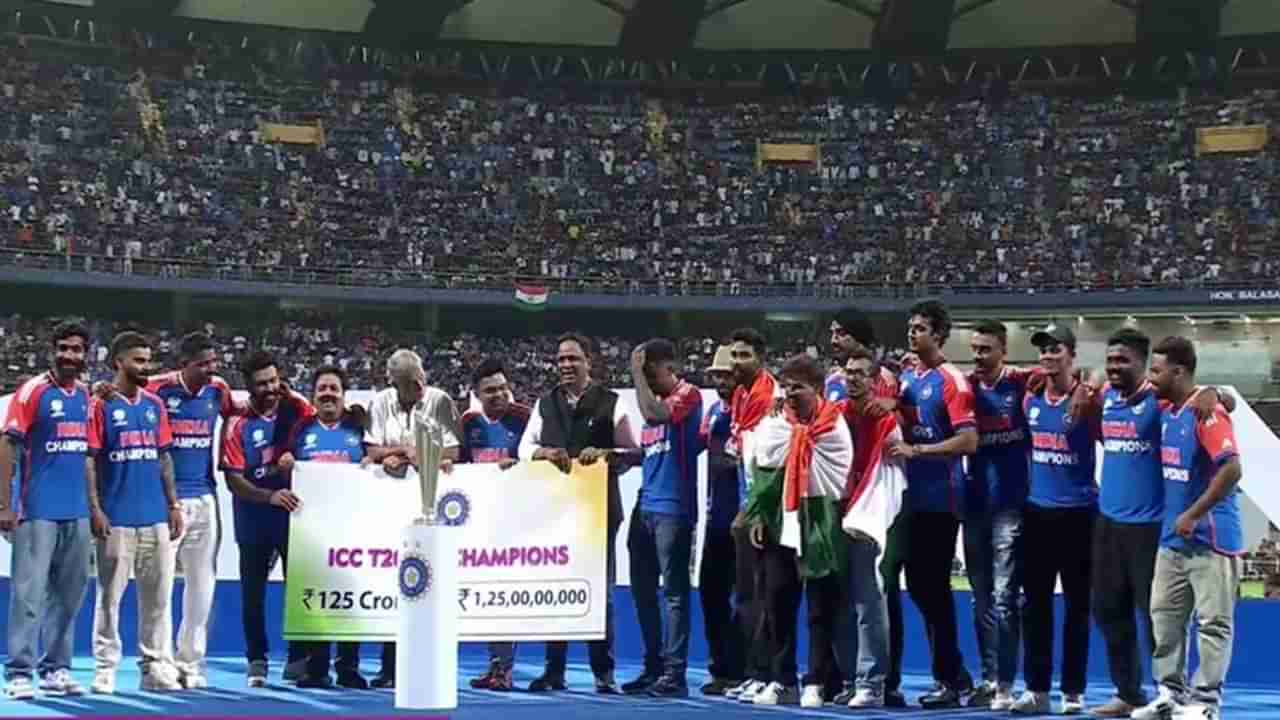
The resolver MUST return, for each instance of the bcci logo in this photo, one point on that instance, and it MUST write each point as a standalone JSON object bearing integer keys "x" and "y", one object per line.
{"x": 415, "y": 575}
{"x": 454, "y": 508}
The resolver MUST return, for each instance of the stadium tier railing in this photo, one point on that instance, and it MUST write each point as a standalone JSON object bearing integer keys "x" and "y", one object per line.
{"x": 505, "y": 280}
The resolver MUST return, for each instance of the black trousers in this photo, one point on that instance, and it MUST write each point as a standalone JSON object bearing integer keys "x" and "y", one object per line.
{"x": 892, "y": 564}
{"x": 827, "y": 615}
{"x": 778, "y": 580}
{"x": 1056, "y": 542}
{"x": 318, "y": 658}
{"x": 721, "y": 621}
{"x": 256, "y": 561}
{"x": 930, "y": 558}
{"x": 600, "y": 652}
{"x": 1124, "y": 566}
{"x": 747, "y": 605}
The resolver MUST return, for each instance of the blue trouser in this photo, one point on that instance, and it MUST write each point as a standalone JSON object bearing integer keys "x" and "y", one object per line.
{"x": 50, "y": 575}
{"x": 867, "y": 598}
{"x": 660, "y": 546}
{"x": 991, "y": 561}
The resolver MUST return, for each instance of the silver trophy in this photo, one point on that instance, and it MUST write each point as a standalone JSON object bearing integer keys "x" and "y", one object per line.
{"x": 428, "y": 436}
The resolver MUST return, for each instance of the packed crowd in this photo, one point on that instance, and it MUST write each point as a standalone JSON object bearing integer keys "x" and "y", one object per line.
{"x": 634, "y": 193}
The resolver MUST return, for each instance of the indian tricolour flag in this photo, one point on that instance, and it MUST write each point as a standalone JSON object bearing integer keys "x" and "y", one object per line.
{"x": 531, "y": 297}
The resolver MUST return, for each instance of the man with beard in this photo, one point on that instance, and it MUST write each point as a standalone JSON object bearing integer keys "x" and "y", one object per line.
{"x": 47, "y": 426}
{"x": 492, "y": 435}
{"x": 135, "y": 515}
{"x": 261, "y": 499}
{"x": 328, "y": 437}
{"x": 724, "y": 623}
{"x": 937, "y": 406}
{"x": 660, "y": 538}
{"x": 195, "y": 397}
{"x": 581, "y": 420}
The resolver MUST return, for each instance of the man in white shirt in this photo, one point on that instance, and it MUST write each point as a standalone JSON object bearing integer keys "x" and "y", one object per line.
{"x": 390, "y": 440}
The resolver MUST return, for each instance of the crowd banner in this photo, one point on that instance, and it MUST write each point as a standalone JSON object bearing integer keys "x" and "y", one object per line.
{"x": 530, "y": 559}
{"x": 1231, "y": 139}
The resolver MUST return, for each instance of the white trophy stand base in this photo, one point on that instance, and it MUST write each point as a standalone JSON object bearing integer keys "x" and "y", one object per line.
{"x": 427, "y": 644}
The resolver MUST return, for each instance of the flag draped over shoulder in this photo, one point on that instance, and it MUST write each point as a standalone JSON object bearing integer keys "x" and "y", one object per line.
{"x": 877, "y": 482}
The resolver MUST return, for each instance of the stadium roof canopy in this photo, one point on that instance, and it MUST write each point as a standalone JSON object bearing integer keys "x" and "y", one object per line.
{"x": 740, "y": 25}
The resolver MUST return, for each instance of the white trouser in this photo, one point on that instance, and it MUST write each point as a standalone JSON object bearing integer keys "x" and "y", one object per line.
{"x": 147, "y": 552}
{"x": 196, "y": 551}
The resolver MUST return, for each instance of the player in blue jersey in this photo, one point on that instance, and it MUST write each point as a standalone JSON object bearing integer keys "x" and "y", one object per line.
{"x": 48, "y": 525}
{"x": 251, "y": 448}
{"x": 135, "y": 515}
{"x": 937, "y": 408}
{"x": 327, "y": 437}
{"x": 995, "y": 492}
{"x": 1058, "y": 519}
{"x": 660, "y": 540}
{"x": 195, "y": 398}
{"x": 1198, "y": 564}
{"x": 724, "y": 624}
{"x": 492, "y": 435}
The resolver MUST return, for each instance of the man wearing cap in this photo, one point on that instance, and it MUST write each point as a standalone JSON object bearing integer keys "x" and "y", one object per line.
{"x": 1058, "y": 519}
{"x": 719, "y": 576}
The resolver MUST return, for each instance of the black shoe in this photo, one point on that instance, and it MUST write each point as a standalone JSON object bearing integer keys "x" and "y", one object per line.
{"x": 383, "y": 682}
{"x": 315, "y": 681}
{"x": 942, "y": 696}
{"x": 640, "y": 685}
{"x": 548, "y": 682}
{"x": 982, "y": 696}
{"x": 294, "y": 670}
{"x": 605, "y": 685}
{"x": 894, "y": 699}
{"x": 719, "y": 686}
{"x": 352, "y": 680}
{"x": 669, "y": 687}
{"x": 842, "y": 698}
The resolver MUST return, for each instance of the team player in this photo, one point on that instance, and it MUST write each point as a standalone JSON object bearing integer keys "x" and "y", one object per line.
{"x": 48, "y": 523}
{"x": 937, "y": 408}
{"x": 328, "y": 437}
{"x": 724, "y": 623}
{"x": 660, "y": 539}
{"x": 135, "y": 515}
{"x": 492, "y": 435}
{"x": 195, "y": 397}
{"x": 261, "y": 499}
{"x": 1058, "y": 520}
{"x": 995, "y": 492}
{"x": 1198, "y": 564}
{"x": 852, "y": 332}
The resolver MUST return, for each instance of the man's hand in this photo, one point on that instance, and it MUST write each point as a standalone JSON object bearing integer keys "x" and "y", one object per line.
{"x": 286, "y": 461}
{"x": 739, "y": 520}
{"x": 1186, "y": 525}
{"x": 590, "y": 456}
{"x": 1036, "y": 382}
{"x": 8, "y": 521}
{"x": 1206, "y": 403}
{"x": 356, "y": 415}
{"x": 395, "y": 466}
{"x": 99, "y": 524}
{"x": 757, "y": 535}
{"x": 507, "y": 463}
{"x": 901, "y": 450}
{"x": 286, "y": 499}
{"x": 104, "y": 390}
{"x": 637, "y": 360}
{"x": 879, "y": 407}
{"x": 556, "y": 456}
{"x": 1081, "y": 399}
{"x": 176, "y": 523}
{"x": 446, "y": 466}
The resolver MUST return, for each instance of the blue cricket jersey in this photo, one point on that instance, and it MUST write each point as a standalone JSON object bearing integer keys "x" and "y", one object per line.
{"x": 51, "y": 422}
{"x": 128, "y": 435}
{"x": 669, "y": 484}
{"x": 1063, "y": 459}
{"x": 1192, "y": 452}
{"x": 1132, "y": 481}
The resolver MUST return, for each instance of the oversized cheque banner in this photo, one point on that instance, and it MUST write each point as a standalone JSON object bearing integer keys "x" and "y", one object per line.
{"x": 531, "y": 551}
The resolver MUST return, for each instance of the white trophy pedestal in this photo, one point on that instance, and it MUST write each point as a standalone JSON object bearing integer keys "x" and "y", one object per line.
{"x": 427, "y": 644}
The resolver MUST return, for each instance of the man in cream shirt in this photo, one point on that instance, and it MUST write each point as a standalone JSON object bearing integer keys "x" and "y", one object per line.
{"x": 390, "y": 440}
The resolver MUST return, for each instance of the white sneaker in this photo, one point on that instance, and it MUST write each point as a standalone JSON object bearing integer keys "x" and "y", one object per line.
{"x": 159, "y": 678}
{"x": 734, "y": 692}
{"x": 1162, "y": 708}
{"x": 1197, "y": 711}
{"x": 867, "y": 698}
{"x": 195, "y": 681}
{"x": 60, "y": 682}
{"x": 1072, "y": 704}
{"x": 20, "y": 688}
{"x": 104, "y": 682}
{"x": 1031, "y": 703}
{"x": 1003, "y": 700}
{"x": 775, "y": 693}
{"x": 749, "y": 695}
{"x": 811, "y": 697}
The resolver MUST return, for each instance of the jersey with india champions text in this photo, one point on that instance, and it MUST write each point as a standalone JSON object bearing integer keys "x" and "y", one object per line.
{"x": 251, "y": 446}
{"x": 836, "y": 387}
{"x": 670, "y": 469}
{"x": 1192, "y": 451}
{"x": 998, "y": 471}
{"x": 1063, "y": 454}
{"x": 193, "y": 417}
{"x": 1132, "y": 481}
{"x": 486, "y": 440}
{"x": 936, "y": 403}
{"x": 128, "y": 435}
{"x": 51, "y": 421}
{"x": 314, "y": 440}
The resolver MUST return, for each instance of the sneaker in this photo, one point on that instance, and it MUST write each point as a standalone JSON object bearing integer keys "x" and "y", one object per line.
{"x": 641, "y": 685}
{"x": 811, "y": 697}
{"x": 668, "y": 686}
{"x": 194, "y": 681}
{"x": 294, "y": 670}
{"x": 867, "y": 698}
{"x": 982, "y": 695}
{"x": 605, "y": 684}
{"x": 845, "y": 696}
{"x": 385, "y": 681}
{"x": 60, "y": 682}
{"x": 315, "y": 682}
{"x": 1197, "y": 711}
{"x": 547, "y": 682}
{"x": 1072, "y": 703}
{"x": 894, "y": 699}
{"x": 1031, "y": 703}
{"x": 104, "y": 683}
{"x": 716, "y": 687}
{"x": 20, "y": 688}
{"x": 941, "y": 696}
{"x": 749, "y": 695}
{"x": 775, "y": 693}
{"x": 734, "y": 692}
{"x": 256, "y": 675}
{"x": 1003, "y": 700}
{"x": 159, "y": 678}
{"x": 352, "y": 680}
{"x": 1163, "y": 707}
{"x": 1115, "y": 708}
{"x": 496, "y": 679}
